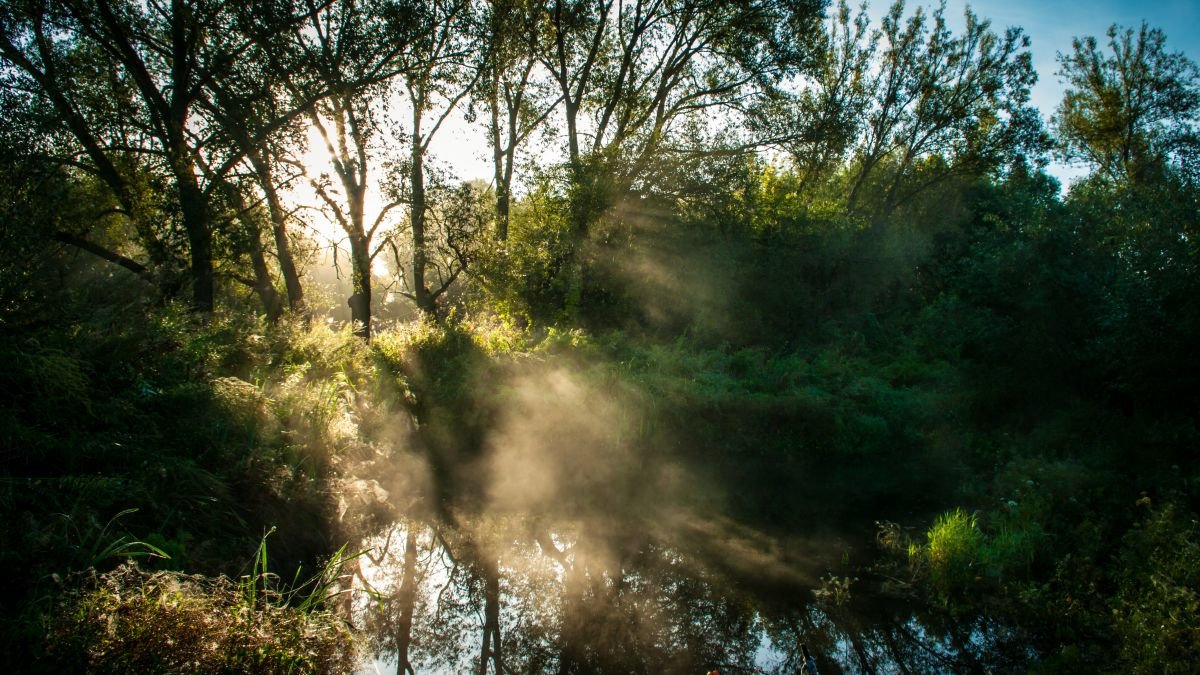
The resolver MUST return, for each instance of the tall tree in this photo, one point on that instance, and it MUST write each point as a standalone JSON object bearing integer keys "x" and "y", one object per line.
{"x": 244, "y": 223}
{"x": 1132, "y": 110}
{"x": 826, "y": 119}
{"x": 81, "y": 113}
{"x": 352, "y": 50}
{"x": 346, "y": 123}
{"x": 631, "y": 73}
{"x": 444, "y": 69}
{"x": 169, "y": 51}
{"x": 255, "y": 116}
{"x": 170, "y": 56}
{"x": 961, "y": 101}
{"x": 516, "y": 99}
{"x": 637, "y": 79}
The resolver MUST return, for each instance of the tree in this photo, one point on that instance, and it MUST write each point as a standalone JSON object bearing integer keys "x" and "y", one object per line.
{"x": 640, "y": 81}
{"x": 248, "y": 238}
{"x": 346, "y": 126}
{"x": 961, "y": 102}
{"x": 348, "y": 52}
{"x": 256, "y": 117}
{"x": 1131, "y": 111}
{"x": 516, "y": 100}
{"x": 441, "y": 71}
{"x": 820, "y": 125}
{"x": 41, "y": 203}
{"x": 161, "y": 62}
{"x": 79, "y": 111}
{"x": 631, "y": 74}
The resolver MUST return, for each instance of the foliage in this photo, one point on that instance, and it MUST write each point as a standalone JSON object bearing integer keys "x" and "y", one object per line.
{"x": 520, "y": 279}
{"x": 218, "y": 430}
{"x": 897, "y": 316}
{"x": 1130, "y": 112}
{"x": 132, "y": 620}
{"x": 1158, "y": 602}
{"x": 907, "y": 106}
{"x": 834, "y": 590}
{"x": 952, "y": 550}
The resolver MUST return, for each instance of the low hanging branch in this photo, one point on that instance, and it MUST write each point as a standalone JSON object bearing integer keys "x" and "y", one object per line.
{"x": 101, "y": 252}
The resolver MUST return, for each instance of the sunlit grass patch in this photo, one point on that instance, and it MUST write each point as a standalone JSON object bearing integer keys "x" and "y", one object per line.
{"x": 952, "y": 549}
{"x": 133, "y": 621}
{"x": 958, "y": 553}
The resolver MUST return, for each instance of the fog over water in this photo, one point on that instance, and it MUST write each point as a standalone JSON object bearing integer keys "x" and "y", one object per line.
{"x": 563, "y": 511}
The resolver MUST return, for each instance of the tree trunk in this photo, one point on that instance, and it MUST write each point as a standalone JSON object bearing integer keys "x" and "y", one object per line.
{"x": 591, "y": 199}
{"x": 572, "y": 112}
{"x": 283, "y": 247}
{"x": 263, "y": 286}
{"x": 183, "y": 91}
{"x": 199, "y": 231}
{"x": 360, "y": 294}
{"x": 424, "y": 299}
{"x": 502, "y": 211}
{"x": 498, "y": 160}
{"x": 504, "y": 192}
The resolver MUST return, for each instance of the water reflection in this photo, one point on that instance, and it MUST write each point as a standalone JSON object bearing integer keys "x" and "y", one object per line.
{"x": 511, "y": 595}
{"x": 560, "y": 521}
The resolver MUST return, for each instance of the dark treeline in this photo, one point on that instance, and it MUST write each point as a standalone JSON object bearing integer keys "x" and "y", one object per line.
{"x": 818, "y": 262}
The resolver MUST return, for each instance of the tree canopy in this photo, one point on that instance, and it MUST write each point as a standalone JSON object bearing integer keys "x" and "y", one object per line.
{"x": 1131, "y": 110}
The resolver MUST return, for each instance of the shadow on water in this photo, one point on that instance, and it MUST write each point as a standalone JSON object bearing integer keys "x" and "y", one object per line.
{"x": 560, "y": 526}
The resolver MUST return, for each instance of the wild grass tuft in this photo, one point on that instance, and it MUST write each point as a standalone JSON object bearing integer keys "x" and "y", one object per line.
{"x": 134, "y": 621}
{"x": 952, "y": 550}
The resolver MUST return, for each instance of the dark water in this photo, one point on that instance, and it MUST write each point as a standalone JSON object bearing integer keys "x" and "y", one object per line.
{"x": 674, "y": 596}
{"x": 571, "y": 523}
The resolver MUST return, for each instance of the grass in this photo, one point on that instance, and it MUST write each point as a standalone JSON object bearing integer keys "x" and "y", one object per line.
{"x": 176, "y": 441}
{"x": 131, "y": 620}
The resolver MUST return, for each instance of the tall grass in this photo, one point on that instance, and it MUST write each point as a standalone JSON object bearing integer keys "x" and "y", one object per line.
{"x": 131, "y": 620}
{"x": 135, "y": 620}
{"x": 952, "y": 550}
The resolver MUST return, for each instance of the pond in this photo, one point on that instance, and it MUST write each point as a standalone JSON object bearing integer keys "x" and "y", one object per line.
{"x": 519, "y": 595}
{"x": 568, "y": 522}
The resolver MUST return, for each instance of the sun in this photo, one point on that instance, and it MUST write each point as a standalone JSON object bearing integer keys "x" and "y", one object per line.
{"x": 313, "y": 165}
{"x": 457, "y": 150}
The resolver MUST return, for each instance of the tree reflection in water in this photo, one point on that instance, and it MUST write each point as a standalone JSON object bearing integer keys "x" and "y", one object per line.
{"x": 499, "y": 595}
{"x": 558, "y": 524}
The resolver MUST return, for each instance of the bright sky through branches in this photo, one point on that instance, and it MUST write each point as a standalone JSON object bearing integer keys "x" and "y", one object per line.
{"x": 1051, "y": 24}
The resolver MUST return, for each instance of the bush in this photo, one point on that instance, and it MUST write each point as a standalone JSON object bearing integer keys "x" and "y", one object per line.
{"x": 1157, "y": 609}
{"x": 133, "y": 621}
